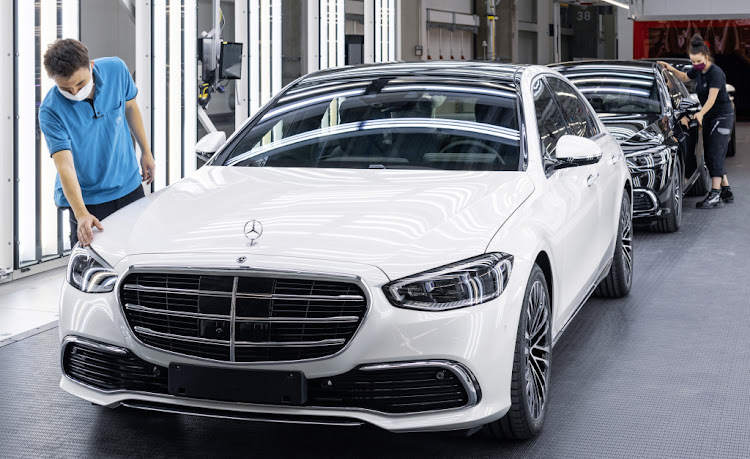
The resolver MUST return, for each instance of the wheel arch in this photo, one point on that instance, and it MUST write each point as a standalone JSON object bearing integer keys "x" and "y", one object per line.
{"x": 543, "y": 261}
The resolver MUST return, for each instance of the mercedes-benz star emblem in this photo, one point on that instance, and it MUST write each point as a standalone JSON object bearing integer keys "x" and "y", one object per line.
{"x": 253, "y": 230}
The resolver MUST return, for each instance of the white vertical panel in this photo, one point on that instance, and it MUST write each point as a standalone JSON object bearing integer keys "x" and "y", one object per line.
{"x": 370, "y": 27}
{"x": 143, "y": 66}
{"x": 159, "y": 112}
{"x": 340, "y": 34}
{"x": 391, "y": 30}
{"x": 175, "y": 91}
{"x": 324, "y": 33}
{"x": 265, "y": 51}
{"x": 241, "y": 111}
{"x": 48, "y": 34}
{"x": 26, "y": 131}
{"x": 378, "y": 30}
{"x": 254, "y": 55}
{"x": 277, "y": 46}
{"x": 332, "y": 34}
{"x": 313, "y": 36}
{"x": 7, "y": 195}
{"x": 190, "y": 83}
{"x": 70, "y": 15}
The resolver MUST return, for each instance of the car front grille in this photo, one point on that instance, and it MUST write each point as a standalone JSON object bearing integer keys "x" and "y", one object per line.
{"x": 242, "y": 318}
{"x": 110, "y": 368}
{"x": 410, "y": 387}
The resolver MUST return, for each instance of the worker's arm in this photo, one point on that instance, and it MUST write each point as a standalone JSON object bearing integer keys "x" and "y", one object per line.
{"x": 72, "y": 190}
{"x": 713, "y": 93}
{"x": 682, "y": 76}
{"x": 135, "y": 121}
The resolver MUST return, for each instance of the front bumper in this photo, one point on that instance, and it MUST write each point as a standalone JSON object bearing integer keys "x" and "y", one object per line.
{"x": 652, "y": 192}
{"x": 480, "y": 339}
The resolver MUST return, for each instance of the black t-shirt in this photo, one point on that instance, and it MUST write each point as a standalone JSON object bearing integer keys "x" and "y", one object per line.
{"x": 713, "y": 78}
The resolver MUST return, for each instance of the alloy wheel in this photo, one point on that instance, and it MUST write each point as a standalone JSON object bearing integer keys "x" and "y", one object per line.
{"x": 537, "y": 350}
{"x": 626, "y": 222}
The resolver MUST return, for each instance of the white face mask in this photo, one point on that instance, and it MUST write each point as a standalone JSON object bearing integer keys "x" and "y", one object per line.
{"x": 83, "y": 93}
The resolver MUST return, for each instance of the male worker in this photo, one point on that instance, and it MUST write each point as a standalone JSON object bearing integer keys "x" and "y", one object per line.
{"x": 87, "y": 121}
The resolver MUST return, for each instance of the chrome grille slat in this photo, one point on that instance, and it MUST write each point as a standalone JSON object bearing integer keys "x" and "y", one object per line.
{"x": 242, "y": 317}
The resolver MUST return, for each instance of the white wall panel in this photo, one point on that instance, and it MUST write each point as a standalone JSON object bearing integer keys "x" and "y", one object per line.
{"x": 7, "y": 195}
{"x": 675, "y": 10}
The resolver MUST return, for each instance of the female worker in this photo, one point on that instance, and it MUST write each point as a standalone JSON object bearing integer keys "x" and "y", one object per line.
{"x": 716, "y": 117}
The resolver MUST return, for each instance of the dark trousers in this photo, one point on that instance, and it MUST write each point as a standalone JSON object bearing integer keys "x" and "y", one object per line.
{"x": 104, "y": 210}
{"x": 717, "y": 131}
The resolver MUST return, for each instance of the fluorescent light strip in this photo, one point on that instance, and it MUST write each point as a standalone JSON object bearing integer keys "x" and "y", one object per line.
{"x": 614, "y": 90}
{"x": 159, "y": 146}
{"x": 26, "y": 130}
{"x": 48, "y": 34}
{"x": 190, "y": 129}
{"x": 489, "y": 92}
{"x": 634, "y": 81}
{"x": 70, "y": 14}
{"x": 175, "y": 127}
{"x": 613, "y": 2}
{"x": 253, "y": 28}
{"x": 265, "y": 51}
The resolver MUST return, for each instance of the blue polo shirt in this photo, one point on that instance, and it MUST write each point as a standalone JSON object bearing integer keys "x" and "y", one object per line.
{"x": 98, "y": 136}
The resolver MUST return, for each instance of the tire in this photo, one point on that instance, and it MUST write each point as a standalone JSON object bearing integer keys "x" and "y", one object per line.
{"x": 732, "y": 148}
{"x": 672, "y": 223}
{"x": 620, "y": 278}
{"x": 529, "y": 392}
{"x": 702, "y": 186}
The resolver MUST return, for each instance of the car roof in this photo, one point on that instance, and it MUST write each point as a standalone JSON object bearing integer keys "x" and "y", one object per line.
{"x": 476, "y": 71}
{"x": 634, "y": 66}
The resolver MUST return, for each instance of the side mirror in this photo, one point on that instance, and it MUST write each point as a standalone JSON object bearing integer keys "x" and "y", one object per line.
{"x": 577, "y": 151}
{"x": 210, "y": 144}
{"x": 676, "y": 101}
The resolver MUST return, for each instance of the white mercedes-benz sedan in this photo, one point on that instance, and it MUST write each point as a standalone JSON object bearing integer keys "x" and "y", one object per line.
{"x": 395, "y": 244}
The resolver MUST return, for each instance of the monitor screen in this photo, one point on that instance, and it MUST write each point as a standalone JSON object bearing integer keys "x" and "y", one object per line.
{"x": 231, "y": 61}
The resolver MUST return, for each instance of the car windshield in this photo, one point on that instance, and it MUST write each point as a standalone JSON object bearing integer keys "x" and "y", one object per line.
{"x": 613, "y": 92}
{"x": 386, "y": 124}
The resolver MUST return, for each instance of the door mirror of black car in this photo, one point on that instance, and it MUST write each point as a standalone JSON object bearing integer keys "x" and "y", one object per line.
{"x": 676, "y": 100}
{"x": 577, "y": 151}
{"x": 210, "y": 144}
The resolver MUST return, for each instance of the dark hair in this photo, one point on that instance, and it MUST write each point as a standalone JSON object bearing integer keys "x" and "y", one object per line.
{"x": 697, "y": 46}
{"x": 64, "y": 57}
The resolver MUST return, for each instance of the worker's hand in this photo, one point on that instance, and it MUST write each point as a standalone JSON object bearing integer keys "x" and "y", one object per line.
{"x": 699, "y": 116}
{"x": 685, "y": 121}
{"x": 665, "y": 65}
{"x": 148, "y": 167}
{"x": 86, "y": 223}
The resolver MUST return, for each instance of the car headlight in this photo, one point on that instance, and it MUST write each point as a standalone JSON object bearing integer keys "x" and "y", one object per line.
{"x": 89, "y": 273}
{"x": 458, "y": 285}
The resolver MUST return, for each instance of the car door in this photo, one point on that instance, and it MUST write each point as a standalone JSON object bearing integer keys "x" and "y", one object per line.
{"x": 572, "y": 205}
{"x": 605, "y": 183}
{"x": 687, "y": 138}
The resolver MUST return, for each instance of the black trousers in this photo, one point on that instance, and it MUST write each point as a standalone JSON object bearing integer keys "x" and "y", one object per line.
{"x": 717, "y": 131}
{"x": 104, "y": 210}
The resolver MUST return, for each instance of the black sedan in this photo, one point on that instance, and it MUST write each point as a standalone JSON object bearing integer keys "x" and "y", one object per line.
{"x": 642, "y": 105}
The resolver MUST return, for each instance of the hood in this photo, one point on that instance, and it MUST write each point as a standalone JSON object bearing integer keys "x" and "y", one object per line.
{"x": 635, "y": 129}
{"x": 401, "y": 221}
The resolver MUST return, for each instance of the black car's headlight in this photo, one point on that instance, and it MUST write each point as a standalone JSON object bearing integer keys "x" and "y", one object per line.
{"x": 89, "y": 273}
{"x": 465, "y": 283}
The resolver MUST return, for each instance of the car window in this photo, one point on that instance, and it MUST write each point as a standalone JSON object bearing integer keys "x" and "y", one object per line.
{"x": 574, "y": 109}
{"x": 550, "y": 121}
{"x": 387, "y": 123}
{"x": 610, "y": 91}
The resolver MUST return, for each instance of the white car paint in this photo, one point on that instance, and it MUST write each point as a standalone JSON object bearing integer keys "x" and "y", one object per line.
{"x": 377, "y": 225}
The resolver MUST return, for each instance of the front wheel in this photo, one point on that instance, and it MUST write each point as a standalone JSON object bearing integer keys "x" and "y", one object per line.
{"x": 674, "y": 218}
{"x": 703, "y": 185}
{"x": 529, "y": 390}
{"x": 618, "y": 281}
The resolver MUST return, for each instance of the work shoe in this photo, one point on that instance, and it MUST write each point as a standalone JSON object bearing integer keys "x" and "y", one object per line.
{"x": 726, "y": 194}
{"x": 713, "y": 200}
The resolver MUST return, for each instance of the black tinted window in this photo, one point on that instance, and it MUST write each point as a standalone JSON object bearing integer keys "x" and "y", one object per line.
{"x": 575, "y": 111}
{"x": 387, "y": 123}
{"x": 549, "y": 120}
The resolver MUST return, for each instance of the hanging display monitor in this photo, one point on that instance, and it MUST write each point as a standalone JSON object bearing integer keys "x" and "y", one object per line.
{"x": 231, "y": 61}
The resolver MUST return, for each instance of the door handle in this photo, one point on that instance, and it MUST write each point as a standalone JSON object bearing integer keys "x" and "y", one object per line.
{"x": 593, "y": 178}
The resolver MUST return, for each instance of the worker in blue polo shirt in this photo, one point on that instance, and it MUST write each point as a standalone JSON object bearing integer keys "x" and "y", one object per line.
{"x": 87, "y": 120}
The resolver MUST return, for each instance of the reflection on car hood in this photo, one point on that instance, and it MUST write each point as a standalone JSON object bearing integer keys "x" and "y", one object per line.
{"x": 635, "y": 131}
{"x": 402, "y": 221}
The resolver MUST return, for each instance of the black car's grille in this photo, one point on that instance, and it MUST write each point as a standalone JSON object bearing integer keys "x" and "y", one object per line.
{"x": 242, "y": 318}
{"x": 108, "y": 370}
{"x": 642, "y": 202}
{"x": 420, "y": 388}
{"x": 397, "y": 390}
